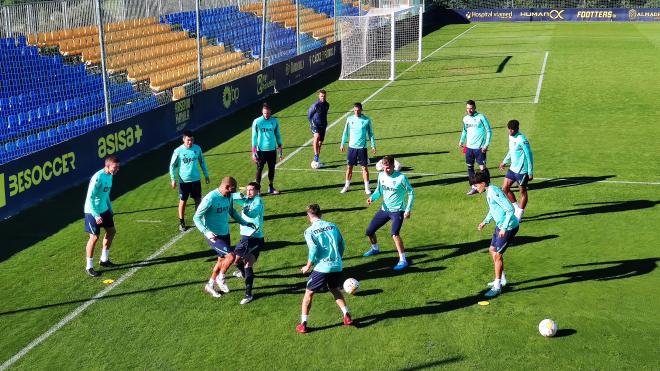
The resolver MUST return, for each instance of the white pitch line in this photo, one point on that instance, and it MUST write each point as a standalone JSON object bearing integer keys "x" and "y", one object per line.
{"x": 306, "y": 144}
{"x": 538, "y": 87}
{"x": 459, "y": 175}
{"x": 71, "y": 316}
{"x": 448, "y": 101}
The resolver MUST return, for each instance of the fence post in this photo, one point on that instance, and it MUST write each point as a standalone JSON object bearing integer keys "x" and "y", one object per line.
{"x": 65, "y": 15}
{"x": 298, "y": 31}
{"x": 392, "y": 46}
{"x": 181, "y": 5}
{"x": 198, "y": 18}
{"x": 104, "y": 71}
{"x": 264, "y": 23}
{"x": 334, "y": 5}
{"x": 8, "y": 20}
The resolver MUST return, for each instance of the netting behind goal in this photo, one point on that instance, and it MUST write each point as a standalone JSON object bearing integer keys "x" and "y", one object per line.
{"x": 372, "y": 44}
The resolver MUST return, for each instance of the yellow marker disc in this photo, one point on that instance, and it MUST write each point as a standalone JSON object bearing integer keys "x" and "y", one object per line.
{"x": 483, "y": 302}
{"x": 108, "y": 281}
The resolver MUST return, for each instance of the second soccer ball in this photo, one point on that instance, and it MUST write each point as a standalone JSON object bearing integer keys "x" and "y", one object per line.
{"x": 351, "y": 286}
{"x": 548, "y": 328}
{"x": 315, "y": 164}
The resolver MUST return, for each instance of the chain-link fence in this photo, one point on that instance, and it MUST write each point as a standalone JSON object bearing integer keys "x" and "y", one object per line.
{"x": 71, "y": 66}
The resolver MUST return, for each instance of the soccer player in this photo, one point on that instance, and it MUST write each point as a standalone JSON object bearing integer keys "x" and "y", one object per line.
{"x": 475, "y": 139}
{"x": 212, "y": 219}
{"x": 500, "y": 210}
{"x": 252, "y": 240}
{"x": 184, "y": 160}
{"x": 358, "y": 130}
{"x": 98, "y": 214}
{"x": 521, "y": 169}
{"x": 318, "y": 122}
{"x": 265, "y": 139}
{"x": 393, "y": 186}
{"x": 326, "y": 247}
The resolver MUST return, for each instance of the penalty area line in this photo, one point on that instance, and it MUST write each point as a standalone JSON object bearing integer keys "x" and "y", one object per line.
{"x": 307, "y": 143}
{"x": 538, "y": 87}
{"x": 71, "y": 316}
{"x": 462, "y": 175}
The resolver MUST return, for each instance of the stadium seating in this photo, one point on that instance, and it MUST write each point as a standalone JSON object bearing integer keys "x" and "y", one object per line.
{"x": 44, "y": 101}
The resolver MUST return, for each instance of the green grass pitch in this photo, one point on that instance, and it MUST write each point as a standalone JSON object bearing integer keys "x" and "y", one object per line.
{"x": 586, "y": 254}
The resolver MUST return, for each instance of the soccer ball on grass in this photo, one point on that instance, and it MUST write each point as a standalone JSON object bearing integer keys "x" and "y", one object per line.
{"x": 351, "y": 286}
{"x": 548, "y": 328}
{"x": 315, "y": 165}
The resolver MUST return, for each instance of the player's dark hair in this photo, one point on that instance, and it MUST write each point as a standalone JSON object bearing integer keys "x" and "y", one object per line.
{"x": 358, "y": 105}
{"x": 112, "y": 158}
{"x": 322, "y": 91}
{"x": 481, "y": 176}
{"x": 513, "y": 125}
{"x": 388, "y": 160}
{"x": 229, "y": 180}
{"x": 265, "y": 105}
{"x": 314, "y": 209}
{"x": 471, "y": 102}
{"x": 256, "y": 185}
{"x": 188, "y": 134}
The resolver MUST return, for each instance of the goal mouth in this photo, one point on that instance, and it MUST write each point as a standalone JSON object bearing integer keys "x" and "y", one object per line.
{"x": 373, "y": 43}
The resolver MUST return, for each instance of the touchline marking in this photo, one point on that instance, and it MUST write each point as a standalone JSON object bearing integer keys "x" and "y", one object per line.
{"x": 538, "y": 87}
{"x": 461, "y": 175}
{"x": 306, "y": 144}
{"x": 71, "y": 316}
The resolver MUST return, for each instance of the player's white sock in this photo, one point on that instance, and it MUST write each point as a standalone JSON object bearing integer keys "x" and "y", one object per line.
{"x": 105, "y": 255}
{"x": 211, "y": 282}
{"x": 221, "y": 277}
{"x": 503, "y": 277}
{"x": 374, "y": 246}
{"x": 344, "y": 310}
{"x": 90, "y": 263}
{"x": 402, "y": 257}
{"x": 303, "y": 318}
{"x": 347, "y": 184}
{"x": 497, "y": 285}
{"x": 366, "y": 185}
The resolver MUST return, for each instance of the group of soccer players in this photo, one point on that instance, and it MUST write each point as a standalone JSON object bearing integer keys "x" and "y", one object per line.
{"x": 325, "y": 242}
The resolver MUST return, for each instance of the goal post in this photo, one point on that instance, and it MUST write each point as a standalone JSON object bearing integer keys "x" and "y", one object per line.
{"x": 372, "y": 44}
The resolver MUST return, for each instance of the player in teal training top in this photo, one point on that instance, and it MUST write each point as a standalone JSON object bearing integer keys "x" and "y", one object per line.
{"x": 326, "y": 247}
{"x": 500, "y": 209}
{"x": 521, "y": 169}
{"x": 266, "y": 138}
{"x": 99, "y": 214}
{"x": 212, "y": 219}
{"x": 183, "y": 169}
{"x": 252, "y": 240}
{"x": 393, "y": 186}
{"x": 358, "y": 130}
{"x": 475, "y": 139}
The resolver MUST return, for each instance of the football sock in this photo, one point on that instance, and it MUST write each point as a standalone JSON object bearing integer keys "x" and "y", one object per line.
{"x": 303, "y": 318}
{"x": 374, "y": 246}
{"x": 90, "y": 263}
{"x": 503, "y": 277}
{"x": 182, "y": 222}
{"x": 347, "y": 184}
{"x": 316, "y": 158}
{"x": 249, "y": 279}
{"x": 221, "y": 277}
{"x": 498, "y": 284}
{"x": 344, "y": 310}
{"x": 241, "y": 268}
{"x": 211, "y": 282}
{"x": 470, "y": 170}
{"x": 402, "y": 257}
{"x": 105, "y": 255}
{"x": 366, "y": 184}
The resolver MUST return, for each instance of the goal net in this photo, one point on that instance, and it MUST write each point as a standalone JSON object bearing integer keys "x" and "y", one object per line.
{"x": 372, "y": 44}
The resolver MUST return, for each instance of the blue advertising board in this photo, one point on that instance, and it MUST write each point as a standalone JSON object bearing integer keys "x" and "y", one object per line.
{"x": 28, "y": 180}
{"x": 561, "y": 15}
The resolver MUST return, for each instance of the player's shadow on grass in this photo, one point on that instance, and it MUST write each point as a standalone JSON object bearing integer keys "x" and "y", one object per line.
{"x": 470, "y": 247}
{"x": 434, "y": 364}
{"x": 601, "y": 208}
{"x": 567, "y": 182}
{"x": 615, "y": 270}
{"x": 604, "y": 271}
